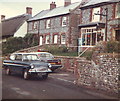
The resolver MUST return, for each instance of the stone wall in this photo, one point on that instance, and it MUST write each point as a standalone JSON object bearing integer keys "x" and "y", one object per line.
{"x": 102, "y": 75}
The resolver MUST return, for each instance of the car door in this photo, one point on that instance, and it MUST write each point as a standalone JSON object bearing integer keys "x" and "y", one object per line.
{"x": 18, "y": 66}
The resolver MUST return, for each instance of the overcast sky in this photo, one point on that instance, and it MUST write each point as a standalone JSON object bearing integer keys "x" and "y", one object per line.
{"x": 11, "y": 8}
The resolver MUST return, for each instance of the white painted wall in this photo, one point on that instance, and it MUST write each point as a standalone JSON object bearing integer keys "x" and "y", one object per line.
{"x": 22, "y": 31}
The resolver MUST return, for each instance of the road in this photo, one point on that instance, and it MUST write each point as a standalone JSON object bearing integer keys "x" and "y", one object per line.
{"x": 15, "y": 87}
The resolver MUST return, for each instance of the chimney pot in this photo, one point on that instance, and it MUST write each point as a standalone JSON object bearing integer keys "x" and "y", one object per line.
{"x": 52, "y": 5}
{"x": 2, "y": 17}
{"x": 29, "y": 10}
{"x": 67, "y": 2}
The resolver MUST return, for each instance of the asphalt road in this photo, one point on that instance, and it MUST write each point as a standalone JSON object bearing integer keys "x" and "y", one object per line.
{"x": 15, "y": 87}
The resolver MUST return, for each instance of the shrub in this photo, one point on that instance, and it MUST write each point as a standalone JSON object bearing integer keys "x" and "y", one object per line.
{"x": 113, "y": 46}
{"x": 16, "y": 43}
{"x": 56, "y": 49}
{"x": 88, "y": 54}
{"x": 13, "y": 44}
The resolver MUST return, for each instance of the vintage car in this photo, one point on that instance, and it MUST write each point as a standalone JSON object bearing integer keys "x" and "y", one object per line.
{"x": 26, "y": 64}
{"x": 49, "y": 58}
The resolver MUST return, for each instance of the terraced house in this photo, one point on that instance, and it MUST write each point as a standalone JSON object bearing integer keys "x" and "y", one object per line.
{"x": 99, "y": 21}
{"x": 57, "y": 25}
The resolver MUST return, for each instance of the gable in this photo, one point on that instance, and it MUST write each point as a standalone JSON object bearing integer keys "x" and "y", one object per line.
{"x": 10, "y": 26}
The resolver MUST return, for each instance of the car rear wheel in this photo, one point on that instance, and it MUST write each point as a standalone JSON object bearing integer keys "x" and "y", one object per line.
{"x": 45, "y": 76}
{"x": 8, "y": 72}
{"x": 26, "y": 75}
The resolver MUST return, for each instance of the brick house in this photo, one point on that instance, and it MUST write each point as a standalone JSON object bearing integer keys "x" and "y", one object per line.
{"x": 93, "y": 27}
{"x": 57, "y": 25}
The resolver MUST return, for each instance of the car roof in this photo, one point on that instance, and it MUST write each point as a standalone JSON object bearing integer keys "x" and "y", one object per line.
{"x": 33, "y": 53}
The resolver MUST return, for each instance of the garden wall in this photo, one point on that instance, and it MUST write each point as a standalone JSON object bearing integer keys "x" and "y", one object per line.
{"x": 101, "y": 74}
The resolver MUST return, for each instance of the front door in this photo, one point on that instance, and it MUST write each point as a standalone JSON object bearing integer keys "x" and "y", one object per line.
{"x": 117, "y": 35}
{"x": 41, "y": 40}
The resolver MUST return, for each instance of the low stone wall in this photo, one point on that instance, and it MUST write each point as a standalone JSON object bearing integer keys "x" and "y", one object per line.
{"x": 102, "y": 75}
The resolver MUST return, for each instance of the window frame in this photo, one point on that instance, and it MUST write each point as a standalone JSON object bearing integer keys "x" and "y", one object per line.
{"x": 96, "y": 18}
{"x": 48, "y": 23}
{"x": 63, "y": 42}
{"x": 47, "y": 39}
{"x": 64, "y": 20}
{"x": 117, "y": 10}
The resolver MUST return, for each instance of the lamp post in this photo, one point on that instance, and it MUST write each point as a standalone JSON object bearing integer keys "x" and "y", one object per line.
{"x": 106, "y": 22}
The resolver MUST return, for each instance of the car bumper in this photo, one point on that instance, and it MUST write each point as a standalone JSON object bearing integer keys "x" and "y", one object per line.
{"x": 54, "y": 67}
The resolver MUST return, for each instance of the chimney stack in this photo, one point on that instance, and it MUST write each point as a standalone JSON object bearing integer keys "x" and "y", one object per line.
{"x": 84, "y": 1}
{"x": 67, "y": 2}
{"x": 52, "y": 5}
{"x": 2, "y": 17}
{"x": 29, "y": 10}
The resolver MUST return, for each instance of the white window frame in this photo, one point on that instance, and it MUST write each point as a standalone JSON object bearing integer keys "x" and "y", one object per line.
{"x": 35, "y": 26}
{"x": 48, "y": 23}
{"x": 96, "y": 18}
{"x": 55, "y": 39}
{"x": 64, "y": 21}
{"x": 30, "y": 24}
{"x": 117, "y": 10}
{"x": 47, "y": 39}
{"x": 63, "y": 39}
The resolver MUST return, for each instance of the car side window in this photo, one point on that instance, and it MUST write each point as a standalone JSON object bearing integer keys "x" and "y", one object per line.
{"x": 18, "y": 57}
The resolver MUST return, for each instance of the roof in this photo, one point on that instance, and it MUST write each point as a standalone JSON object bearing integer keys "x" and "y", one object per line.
{"x": 92, "y": 24}
{"x": 94, "y": 2}
{"x": 11, "y": 25}
{"x": 55, "y": 12}
{"x": 33, "y": 53}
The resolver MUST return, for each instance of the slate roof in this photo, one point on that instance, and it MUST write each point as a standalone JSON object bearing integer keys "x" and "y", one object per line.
{"x": 55, "y": 12}
{"x": 11, "y": 25}
{"x": 92, "y": 24}
{"x": 94, "y": 2}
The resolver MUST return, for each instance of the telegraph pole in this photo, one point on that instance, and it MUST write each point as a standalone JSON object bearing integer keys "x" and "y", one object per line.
{"x": 106, "y": 22}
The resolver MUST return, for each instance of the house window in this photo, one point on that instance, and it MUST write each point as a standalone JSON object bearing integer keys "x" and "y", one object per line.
{"x": 96, "y": 18}
{"x": 55, "y": 38}
{"x": 35, "y": 26}
{"x": 90, "y": 36}
{"x": 48, "y": 24}
{"x": 117, "y": 10}
{"x": 30, "y": 25}
{"x": 64, "y": 21}
{"x": 63, "y": 39}
{"x": 47, "y": 41}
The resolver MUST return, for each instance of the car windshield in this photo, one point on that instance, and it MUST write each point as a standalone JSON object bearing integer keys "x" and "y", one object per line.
{"x": 45, "y": 55}
{"x": 29, "y": 57}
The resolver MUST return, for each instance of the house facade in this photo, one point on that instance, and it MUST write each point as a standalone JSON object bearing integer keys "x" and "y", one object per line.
{"x": 99, "y": 21}
{"x": 57, "y": 25}
{"x": 15, "y": 26}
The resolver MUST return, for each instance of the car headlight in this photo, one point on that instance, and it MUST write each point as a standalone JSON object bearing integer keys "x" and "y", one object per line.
{"x": 49, "y": 65}
{"x": 32, "y": 66}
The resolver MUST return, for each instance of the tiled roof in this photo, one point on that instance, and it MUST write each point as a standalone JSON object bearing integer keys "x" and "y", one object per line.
{"x": 55, "y": 12}
{"x": 93, "y": 2}
{"x": 11, "y": 25}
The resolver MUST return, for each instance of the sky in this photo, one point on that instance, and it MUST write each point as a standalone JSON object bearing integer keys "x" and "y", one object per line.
{"x": 11, "y": 8}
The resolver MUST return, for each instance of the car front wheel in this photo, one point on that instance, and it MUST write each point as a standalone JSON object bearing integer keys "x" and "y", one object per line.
{"x": 26, "y": 75}
{"x": 8, "y": 72}
{"x": 45, "y": 76}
